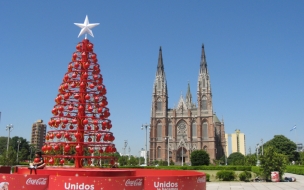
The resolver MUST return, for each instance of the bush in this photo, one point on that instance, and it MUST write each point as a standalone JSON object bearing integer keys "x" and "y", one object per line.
{"x": 207, "y": 177}
{"x": 199, "y": 157}
{"x": 245, "y": 176}
{"x": 225, "y": 175}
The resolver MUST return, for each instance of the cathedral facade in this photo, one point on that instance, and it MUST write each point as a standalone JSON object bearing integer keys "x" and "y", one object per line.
{"x": 176, "y": 132}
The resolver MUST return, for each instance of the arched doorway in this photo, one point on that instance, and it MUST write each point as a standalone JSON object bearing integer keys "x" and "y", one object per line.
{"x": 181, "y": 155}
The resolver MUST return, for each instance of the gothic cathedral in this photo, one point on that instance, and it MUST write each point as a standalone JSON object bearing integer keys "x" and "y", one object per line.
{"x": 186, "y": 127}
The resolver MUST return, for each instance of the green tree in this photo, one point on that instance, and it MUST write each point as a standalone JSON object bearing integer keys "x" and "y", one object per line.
{"x": 123, "y": 160}
{"x": 132, "y": 161}
{"x": 3, "y": 144}
{"x": 250, "y": 160}
{"x": 236, "y": 158}
{"x": 283, "y": 145}
{"x": 199, "y": 157}
{"x": 301, "y": 158}
{"x": 8, "y": 158}
{"x": 272, "y": 161}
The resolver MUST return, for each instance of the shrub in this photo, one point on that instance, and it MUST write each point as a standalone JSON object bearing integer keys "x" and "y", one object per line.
{"x": 207, "y": 177}
{"x": 225, "y": 175}
{"x": 245, "y": 176}
{"x": 199, "y": 157}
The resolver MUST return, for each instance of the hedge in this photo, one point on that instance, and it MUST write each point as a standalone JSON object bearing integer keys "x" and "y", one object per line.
{"x": 235, "y": 168}
{"x": 295, "y": 170}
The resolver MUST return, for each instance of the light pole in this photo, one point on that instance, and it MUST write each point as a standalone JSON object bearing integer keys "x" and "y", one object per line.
{"x": 146, "y": 153}
{"x": 9, "y": 128}
{"x": 31, "y": 152}
{"x": 18, "y": 141}
{"x": 168, "y": 138}
{"x": 125, "y": 146}
{"x": 129, "y": 152}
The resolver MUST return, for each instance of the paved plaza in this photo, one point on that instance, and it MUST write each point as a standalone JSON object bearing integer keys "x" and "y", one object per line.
{"x": 298, "y": 185}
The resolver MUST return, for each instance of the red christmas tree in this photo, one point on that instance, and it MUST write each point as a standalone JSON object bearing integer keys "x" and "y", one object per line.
{"x": 80, "y": 128}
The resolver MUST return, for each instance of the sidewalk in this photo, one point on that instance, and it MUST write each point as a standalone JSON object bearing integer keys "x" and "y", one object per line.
{"x": 298, "y": 185}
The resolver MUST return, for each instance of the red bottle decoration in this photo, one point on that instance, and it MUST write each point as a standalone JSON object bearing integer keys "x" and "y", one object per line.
{"x": 80, "y": 113}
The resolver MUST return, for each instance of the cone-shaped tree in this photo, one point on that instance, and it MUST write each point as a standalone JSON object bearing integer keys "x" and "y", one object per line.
{"x": 80, "y": 128}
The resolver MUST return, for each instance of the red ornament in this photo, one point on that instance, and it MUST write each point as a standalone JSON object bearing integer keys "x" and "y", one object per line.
{"x": 88, "y": 127}
{"x": 49, "y": 148}
{"x": 76, "y": 96}
{"x": 90, "y": 139}
{"x": 91, "y": 86}
{"x": 91, "y": 150}
{"x": 87, "y": 97}
{"x": 56, "y": 147}
{"x": 62, "y": 161}
{"x": 85, "y": 121}
{"x": 74, "y": 121}
{"x": 67, "y": 148}
{"x": 66, "y": 135}
{"x": 51, "y": 161}
{"x": 58, "y": 135}
{"x": 78, "y": 148}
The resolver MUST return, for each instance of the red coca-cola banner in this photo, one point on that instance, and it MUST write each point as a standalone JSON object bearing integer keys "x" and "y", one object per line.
{"x": 175, "y": 183}
{"x": 93, "y": 183}
{"x": 26, "y": 182}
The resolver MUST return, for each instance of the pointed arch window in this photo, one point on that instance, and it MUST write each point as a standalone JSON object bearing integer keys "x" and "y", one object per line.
{"x": 193, "y": 130}
{"x": 159, "y": 105}
{"x": 159, "y": 131}
{"x": 204, "y": 103}
{"x": 170, "y": 129}
{"x": 158, "y": 152}
{"x": 204, "y": 83}
{"x": 205, "y": 130}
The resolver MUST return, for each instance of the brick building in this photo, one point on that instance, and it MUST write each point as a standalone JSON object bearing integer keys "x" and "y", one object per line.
{"x": 189, "y": 126}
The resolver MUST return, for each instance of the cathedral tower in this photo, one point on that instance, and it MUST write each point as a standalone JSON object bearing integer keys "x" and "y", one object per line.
{"x": 187, "y": 127}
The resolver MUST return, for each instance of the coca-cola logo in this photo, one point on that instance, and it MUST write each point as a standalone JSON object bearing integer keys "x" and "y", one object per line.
{"x": 39, "y": 181}
{"x": 136, "y": 182}
{"x": 201, "y": 179}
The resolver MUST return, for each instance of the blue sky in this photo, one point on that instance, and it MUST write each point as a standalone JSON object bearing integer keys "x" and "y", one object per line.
{"x": 254, "y": 52}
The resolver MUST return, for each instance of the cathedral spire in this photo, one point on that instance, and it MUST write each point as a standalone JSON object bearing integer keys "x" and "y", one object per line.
{"x": 188, "y": 96}
{"x": 160, "y": 65}
{"x": 203, "y": 65}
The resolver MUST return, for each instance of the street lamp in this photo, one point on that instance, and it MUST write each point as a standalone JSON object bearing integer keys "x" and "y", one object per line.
{"x": 9, "y": 128}
{"x": 125, "y": 146}
{"x": 146, "y": 153}
{"x": 18, "y": 141}
{"x": 31, "y": 148}
{"x": 129, "y": 152}
{"x": 168, "y": 138}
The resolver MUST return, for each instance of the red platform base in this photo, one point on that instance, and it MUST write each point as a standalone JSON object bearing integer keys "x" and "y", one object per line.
{"x": 52, "y": 178}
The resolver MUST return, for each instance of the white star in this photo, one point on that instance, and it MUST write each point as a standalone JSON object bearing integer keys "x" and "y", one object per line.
{"x": 86, "y": 27}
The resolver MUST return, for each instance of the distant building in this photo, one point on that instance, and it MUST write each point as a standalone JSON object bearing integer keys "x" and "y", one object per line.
{"x": 299, "y": 147}
{"x": 238, "y": 142}
{"x": 38, "y": 134}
